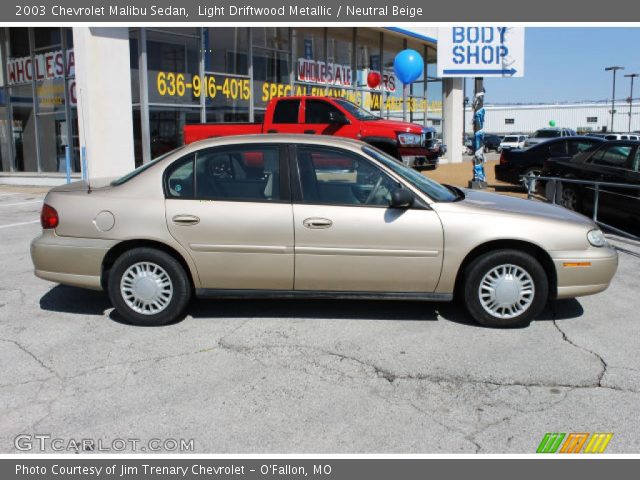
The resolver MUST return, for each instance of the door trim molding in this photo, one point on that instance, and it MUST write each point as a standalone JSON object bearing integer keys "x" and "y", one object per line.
{"x": 366, "y": 252}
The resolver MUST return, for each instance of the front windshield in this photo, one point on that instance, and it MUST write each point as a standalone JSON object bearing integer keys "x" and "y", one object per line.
{"x": 142, "y": 168}
{"x": 546, "y": 134}
{"x": 510, "y": 139}
{"x": 433, "y": 189}
{"x": 356, "y": 111}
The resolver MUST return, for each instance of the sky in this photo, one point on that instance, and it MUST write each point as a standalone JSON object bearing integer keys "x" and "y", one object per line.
{"x": 567, "y": 64}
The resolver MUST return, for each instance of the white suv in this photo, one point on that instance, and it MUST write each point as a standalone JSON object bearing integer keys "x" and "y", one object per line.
{"x": 512, "y": 141}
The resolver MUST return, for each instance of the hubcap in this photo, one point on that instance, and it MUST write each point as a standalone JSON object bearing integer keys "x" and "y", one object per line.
{"x": 506, "y": 291}
{"x": 146, "y": 288}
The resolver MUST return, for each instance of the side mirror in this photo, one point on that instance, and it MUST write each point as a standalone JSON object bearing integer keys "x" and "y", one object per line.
{"x": 337, "y": 117}
{"x": 401, "y": 198}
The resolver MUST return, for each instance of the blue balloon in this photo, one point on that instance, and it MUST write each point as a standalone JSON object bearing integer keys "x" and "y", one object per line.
{"x": 408, "y": 66}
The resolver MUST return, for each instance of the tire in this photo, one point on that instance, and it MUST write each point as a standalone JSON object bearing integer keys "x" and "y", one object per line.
{"x": 570, "y": 198}
{"x": 161, "y": 297}
{"x": 524, "y": 294}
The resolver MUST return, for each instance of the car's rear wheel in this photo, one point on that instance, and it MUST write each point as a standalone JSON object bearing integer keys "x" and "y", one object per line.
{"x": 149, "y": 287}
{"x": 505, "y": 289}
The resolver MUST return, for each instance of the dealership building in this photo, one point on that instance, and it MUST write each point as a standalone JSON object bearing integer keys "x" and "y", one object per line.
{"x": 119, "y": 97}
{"x": 583, "y": 117}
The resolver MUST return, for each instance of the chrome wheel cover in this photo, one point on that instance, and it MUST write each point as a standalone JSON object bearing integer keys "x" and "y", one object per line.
{"x": 506, "y": 291}
{"x": 146, "y": 288}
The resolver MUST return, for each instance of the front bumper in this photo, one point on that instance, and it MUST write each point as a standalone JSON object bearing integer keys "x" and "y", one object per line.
{"x": 579, "y": 274}
{"x": 69, "y": 260}
{"x": 419, "y": 156}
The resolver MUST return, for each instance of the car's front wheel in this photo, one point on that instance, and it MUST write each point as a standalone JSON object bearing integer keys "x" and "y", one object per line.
{"x": 149, "y": 287}
{"x": 505, "y": 288}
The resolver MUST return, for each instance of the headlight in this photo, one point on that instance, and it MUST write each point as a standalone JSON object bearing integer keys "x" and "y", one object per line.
{"x": 409, "y": 139}
{"x": 597, "y": 238}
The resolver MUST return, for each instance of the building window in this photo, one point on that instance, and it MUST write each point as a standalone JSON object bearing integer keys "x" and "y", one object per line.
{"x": 592, "y": 119}
{"x": 436, "y": 122}
{"x": 509, "y": 121}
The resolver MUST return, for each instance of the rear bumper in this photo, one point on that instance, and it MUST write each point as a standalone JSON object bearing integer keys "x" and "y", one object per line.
{"x": 579, "y": 274}
{"x": 507, "y": 173}
{"x": 68, "y": 260}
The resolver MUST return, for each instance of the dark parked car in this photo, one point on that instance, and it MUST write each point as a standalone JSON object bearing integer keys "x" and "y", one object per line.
{"x": 491, "y": 142}
{"x": 516, "y": 162}
{"x": 617, "y": 162}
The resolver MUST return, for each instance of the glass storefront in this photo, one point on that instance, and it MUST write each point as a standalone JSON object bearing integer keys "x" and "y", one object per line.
{"x": 38, "y": 100}
{"x": 200, "y": 74}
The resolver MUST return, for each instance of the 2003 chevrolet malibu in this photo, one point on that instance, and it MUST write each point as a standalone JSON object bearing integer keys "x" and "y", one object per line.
{"x": 311, "y": 216}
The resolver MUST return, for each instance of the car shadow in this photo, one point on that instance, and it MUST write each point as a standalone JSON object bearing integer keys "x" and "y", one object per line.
{"x": 73, "y": 300}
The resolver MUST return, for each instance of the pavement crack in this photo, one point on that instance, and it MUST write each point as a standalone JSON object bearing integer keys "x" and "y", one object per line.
{"x": 603, "y": 363}
{"x": 32, "y": 355}
{"x": 392, "y": 377}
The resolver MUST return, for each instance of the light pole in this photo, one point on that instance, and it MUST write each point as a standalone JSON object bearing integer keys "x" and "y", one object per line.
{"x": 631, "y": 76}
{"x": 613, "y": 96}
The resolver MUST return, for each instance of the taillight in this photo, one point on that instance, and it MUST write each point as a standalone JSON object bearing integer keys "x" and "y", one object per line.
{"x": 49, "y": 217}
{"x": 503, "y": 160}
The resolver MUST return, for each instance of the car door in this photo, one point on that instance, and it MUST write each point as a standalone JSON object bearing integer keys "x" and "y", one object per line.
{"x": 286, "y": 117}
{"x": 346, "y": 236}
{"x": 230, "y": 208}
{"x": 611, "y": 163}
{"x": 323, "y": 118}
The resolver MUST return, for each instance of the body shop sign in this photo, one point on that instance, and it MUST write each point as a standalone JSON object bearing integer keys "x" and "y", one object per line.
{"x": 44, "y": 66}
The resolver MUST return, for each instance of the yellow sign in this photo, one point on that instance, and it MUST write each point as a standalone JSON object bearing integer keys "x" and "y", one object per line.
{"x": 172, "y": 84}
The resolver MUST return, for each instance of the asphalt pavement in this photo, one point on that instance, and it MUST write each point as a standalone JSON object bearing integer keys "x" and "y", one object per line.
{"x": 310, "y": 376}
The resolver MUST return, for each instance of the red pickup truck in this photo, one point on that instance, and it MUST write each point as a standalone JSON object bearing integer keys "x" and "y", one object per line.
{"x": 412, "y": 144}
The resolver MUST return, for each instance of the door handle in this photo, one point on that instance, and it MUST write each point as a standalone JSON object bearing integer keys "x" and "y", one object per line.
{"x": 185, "y": 220}
{"x": 310, "y": 131}
{"x": 317, "y": 223}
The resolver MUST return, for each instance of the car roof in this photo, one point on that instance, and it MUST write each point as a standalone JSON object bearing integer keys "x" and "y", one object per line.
{"x": 326, "y": 140}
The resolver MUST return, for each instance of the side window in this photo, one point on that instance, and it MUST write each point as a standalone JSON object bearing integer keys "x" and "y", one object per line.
{"x": 286, "y": 111}
{"x": 577, "y": 146}
{"x": 612, "y": 156}
{"x": 247, "y": 173}
{"x": 558, "y": 149}
{"x": 179, "y": 178}
{"x": 636, "y": 161}
{"x": 337, "y": 177}
{"x": 318, "y": 111}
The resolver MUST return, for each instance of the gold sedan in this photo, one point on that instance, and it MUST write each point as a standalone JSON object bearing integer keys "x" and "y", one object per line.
{"x": 311, "y": 216}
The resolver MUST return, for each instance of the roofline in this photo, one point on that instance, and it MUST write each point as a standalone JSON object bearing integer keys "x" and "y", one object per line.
{"x": 409, "y": 33}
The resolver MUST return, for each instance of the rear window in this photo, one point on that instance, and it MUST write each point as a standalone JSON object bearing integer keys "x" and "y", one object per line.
{"x": 546, "y": 134}
{"x": 142, "y": 168}
{"x": 286, "y": 111}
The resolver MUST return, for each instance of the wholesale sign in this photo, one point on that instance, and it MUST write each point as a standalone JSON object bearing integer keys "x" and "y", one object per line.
{"x": 313, "y": 71}
{"x": 43, "y": 66}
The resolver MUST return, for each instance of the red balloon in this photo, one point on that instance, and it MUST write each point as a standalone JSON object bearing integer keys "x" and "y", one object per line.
{"x": 373, "y": 79}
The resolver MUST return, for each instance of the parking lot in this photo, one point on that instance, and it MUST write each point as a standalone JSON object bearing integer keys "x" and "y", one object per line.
{"x": 311, "y": 376}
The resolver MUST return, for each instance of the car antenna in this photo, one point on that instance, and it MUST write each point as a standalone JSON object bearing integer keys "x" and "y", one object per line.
{"x": 83, "y": 150}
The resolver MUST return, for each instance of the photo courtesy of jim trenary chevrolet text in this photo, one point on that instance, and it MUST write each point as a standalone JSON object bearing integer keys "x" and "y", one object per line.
{"x": 311, "y": 239}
